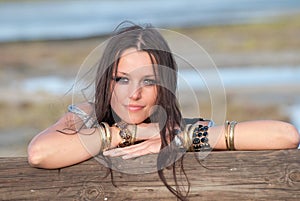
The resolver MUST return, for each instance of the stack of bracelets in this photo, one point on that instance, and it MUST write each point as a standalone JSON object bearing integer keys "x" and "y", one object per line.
{"x": 229, "y": 134}
{"x": 199, "y": 138}
{"x": 194, "y": 136}
{"x": 128, "y": 137}
{"x": 105, "y": 135}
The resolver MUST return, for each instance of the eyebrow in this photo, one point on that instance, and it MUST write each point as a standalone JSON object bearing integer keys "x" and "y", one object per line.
{"x": 122, "y": 73}
{"x": 127, "y": 74}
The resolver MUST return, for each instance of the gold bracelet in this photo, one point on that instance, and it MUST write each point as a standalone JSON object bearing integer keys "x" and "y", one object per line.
{"x": 226, "y": 134}
{"x": 186, "y": 137}
{"x": 108, "y": 135}
{"x": 231, "y": 135}
{"x": 102, "y": 135}
{"x": 101, "y": 138}
{"x": 190, "y": 136}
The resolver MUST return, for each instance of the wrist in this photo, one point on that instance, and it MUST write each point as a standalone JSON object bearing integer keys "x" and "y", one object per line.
{"x": 116, "y": 138}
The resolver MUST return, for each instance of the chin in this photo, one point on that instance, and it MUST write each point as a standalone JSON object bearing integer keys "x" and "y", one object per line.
{"x": 137, "y": 120}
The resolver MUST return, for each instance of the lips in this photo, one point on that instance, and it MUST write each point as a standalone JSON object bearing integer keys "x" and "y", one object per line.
{"x": 134, "y": 108}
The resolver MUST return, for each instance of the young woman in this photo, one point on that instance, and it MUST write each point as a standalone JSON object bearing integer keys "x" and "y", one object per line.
{"x": 135, "y": 112}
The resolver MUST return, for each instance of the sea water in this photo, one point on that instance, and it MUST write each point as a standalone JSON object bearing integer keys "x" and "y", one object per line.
{"x": 47, "y": 20}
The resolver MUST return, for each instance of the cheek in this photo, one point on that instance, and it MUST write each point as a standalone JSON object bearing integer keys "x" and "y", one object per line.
{"x": 119, "y": 93}
{"x": 152, "y": 95}
{"x": 116, "y": 98}
{"x": 113, "y": 102}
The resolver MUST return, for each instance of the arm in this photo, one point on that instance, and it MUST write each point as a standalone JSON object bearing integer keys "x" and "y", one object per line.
{"x": 53, "y": 149}
{"x": 250, "y": 135}
{"x": 257, "y": 135}
{"x": 151, "y": 145}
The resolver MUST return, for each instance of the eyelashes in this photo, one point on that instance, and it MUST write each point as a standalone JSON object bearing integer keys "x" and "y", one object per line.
{"x": 121, "y": 80}
{"x": 124, "y": 80}
{"x": 150, "y": 82}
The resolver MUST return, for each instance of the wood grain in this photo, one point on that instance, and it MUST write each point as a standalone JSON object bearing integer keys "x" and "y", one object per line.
{"x": 251, "y": 175}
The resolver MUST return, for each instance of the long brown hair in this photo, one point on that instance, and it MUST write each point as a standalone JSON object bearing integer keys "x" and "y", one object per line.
{"x": 144, "y": 38}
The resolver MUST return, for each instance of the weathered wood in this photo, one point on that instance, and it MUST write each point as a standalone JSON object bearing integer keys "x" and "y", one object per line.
{"x": 259, "y": 175}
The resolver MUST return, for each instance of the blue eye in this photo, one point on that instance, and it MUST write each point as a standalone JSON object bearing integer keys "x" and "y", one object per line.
{"x": 149, "y": 82}
{"x": 121, "y": 80}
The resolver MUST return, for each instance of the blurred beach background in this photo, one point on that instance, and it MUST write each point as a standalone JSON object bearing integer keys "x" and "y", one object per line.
{"x": 255, "y": 45}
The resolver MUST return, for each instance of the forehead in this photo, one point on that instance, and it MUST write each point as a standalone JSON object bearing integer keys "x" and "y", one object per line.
{"x": 132, "y": 60}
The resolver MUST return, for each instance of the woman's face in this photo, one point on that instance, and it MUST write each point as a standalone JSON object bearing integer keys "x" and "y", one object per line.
{"x": 135, "y": 90}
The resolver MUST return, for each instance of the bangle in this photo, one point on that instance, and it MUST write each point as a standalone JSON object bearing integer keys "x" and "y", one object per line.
{"x": 102, "y": 135}
{"x": 226, "y": 134}
{"x": 231, "y": 135}
{"x": 124, "y": 133}
{"x": 107, "y": 135}
{"x": 187, "y": 137}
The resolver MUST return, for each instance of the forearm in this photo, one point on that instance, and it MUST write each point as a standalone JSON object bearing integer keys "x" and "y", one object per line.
{"x": 52, "y": 149}
{"x": 257, "y": 135}
{"x": 251, "y": 135}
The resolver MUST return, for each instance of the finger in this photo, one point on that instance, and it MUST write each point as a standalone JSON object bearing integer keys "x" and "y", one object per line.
{"x": 136, "y": 154}
{"x": 129, "y": 156}
{"x": 134, "y": 150}
{"x": 135, "y": 147}
{"x": 122, "y": 151}
{"x": 148, "y": 148}
{"x": 114, "y": 152}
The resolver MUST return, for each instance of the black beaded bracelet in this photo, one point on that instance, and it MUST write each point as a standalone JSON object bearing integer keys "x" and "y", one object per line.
{"x": 200, "y": 140}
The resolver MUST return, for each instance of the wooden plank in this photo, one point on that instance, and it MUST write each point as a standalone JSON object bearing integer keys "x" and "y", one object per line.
{"x": 253, "y": 175}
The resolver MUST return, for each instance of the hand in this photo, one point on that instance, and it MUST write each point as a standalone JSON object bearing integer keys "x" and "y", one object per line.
{"x": 147, "y": 131}
{"x": 149, "y": 146}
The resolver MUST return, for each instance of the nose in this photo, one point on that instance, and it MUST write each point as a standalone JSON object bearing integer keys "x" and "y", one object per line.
{"x": 136, "y": 92}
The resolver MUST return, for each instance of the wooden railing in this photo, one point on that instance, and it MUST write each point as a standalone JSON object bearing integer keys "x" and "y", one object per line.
{"x": 253, "y": 175}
